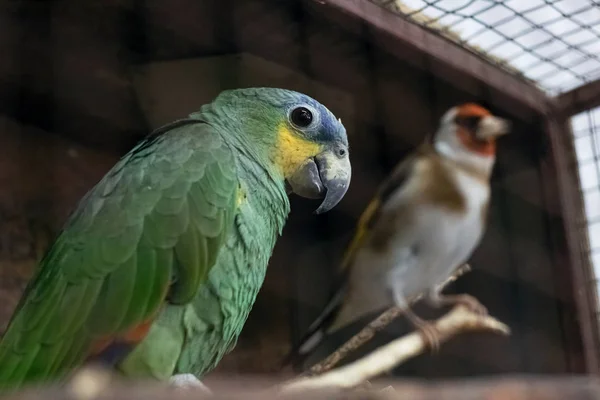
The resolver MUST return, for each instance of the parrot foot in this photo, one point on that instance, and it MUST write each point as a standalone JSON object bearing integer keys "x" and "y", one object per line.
{"x": 188, "y": 381}
{"x": 427, "y": 330}
{"x": 468, "y": 301}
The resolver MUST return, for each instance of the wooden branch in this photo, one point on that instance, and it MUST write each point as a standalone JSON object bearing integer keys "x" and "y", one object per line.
{"x": 356, "y": 341}
{"x": 371, "y": 330}
{"x": 386, "y": 357}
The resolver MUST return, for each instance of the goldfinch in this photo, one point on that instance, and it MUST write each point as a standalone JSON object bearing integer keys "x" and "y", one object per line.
{"x": 423, "y": 223}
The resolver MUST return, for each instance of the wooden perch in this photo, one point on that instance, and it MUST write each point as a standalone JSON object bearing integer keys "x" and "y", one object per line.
{"x": 371, "y": 330}
{"x": 386, "y": 357}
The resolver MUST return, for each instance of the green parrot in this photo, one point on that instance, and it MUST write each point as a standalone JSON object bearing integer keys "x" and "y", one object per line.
{"x": 156, "y": 270}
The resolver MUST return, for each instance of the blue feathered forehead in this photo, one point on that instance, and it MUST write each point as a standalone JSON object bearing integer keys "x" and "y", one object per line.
{"x": 331, "y": 129}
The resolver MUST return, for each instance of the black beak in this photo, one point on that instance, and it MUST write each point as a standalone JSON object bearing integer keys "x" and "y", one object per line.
{"x": 326, "y": 175}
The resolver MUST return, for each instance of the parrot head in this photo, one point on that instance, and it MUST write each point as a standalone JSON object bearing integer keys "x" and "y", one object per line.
{"x": 470, "y": 128}
{"x": 299, "y": 138}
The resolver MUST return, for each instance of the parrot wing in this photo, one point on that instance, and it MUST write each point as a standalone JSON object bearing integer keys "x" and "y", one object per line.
{"x": 147, "y": 233}
{"x": 369, "y": 218}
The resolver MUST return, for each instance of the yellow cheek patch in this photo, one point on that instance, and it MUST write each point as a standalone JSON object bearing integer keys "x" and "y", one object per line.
{"x": 291, "y": 150}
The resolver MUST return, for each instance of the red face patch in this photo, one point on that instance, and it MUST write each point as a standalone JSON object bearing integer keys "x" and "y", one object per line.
{"x": 484, "y": 148}
{"x": 471, "y": 110}
{"x": 467, "y": 118}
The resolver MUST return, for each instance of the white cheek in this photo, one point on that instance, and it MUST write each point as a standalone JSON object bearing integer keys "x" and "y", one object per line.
{"x": 450, "y": 146}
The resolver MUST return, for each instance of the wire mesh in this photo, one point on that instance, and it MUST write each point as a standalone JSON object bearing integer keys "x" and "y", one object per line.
{"x": 554, "y": 43}
{"x": 586, "y": 136}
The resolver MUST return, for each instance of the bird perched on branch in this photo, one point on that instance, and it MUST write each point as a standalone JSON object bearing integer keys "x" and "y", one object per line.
{"x": 158, "y": 267}
{"x": 423, "y": 223}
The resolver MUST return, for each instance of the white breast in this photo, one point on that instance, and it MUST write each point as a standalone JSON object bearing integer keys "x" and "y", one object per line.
{"x": 469, "y": 227}
{"x": 474, "y": 189}
{"x": 427, "y": 252}
{"x": 443, "y": 240}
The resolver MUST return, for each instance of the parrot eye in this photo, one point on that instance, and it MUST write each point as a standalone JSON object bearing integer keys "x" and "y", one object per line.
{"x": 301, "y": 117}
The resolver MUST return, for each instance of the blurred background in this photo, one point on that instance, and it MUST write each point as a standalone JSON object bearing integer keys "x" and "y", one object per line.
{"x": 82, "y": 81}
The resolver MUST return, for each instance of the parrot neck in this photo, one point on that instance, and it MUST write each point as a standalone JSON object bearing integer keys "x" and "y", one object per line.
{"x": 263, "y": 192}
{"x": 264, "y": 183}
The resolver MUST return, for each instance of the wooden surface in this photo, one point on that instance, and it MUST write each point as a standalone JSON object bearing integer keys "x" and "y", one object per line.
{"x": 504, "y": 388}
{"x": 580, "y": 99}
{"x": 583, "y": 275}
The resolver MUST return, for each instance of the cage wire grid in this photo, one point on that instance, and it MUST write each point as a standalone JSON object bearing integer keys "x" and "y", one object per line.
{"x": 555, "y": 44}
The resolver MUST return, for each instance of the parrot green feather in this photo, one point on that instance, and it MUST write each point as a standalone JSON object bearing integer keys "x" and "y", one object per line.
{"x": 176, "y": 237}
{"x": 97, "y": 285}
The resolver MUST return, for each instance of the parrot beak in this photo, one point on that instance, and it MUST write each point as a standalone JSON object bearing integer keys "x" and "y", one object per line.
{"x": 491, "y": 127}
{"x": 327, "y": 175}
